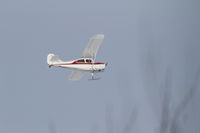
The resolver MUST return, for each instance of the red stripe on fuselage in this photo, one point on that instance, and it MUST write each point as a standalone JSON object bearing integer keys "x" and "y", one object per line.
{"x": 78, "y": 63}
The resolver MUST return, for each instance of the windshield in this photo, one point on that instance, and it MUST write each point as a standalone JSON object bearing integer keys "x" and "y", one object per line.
{"x": 88, "y": 61}
{"x": 81, "y": 61}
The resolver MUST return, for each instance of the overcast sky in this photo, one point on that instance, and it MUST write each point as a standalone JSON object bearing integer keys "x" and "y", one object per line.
{"x": 149, "y": 46}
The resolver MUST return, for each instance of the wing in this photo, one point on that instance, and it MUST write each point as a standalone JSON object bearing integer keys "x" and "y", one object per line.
{"x": 76, "y": 75}
{"x": 91, "y": 49}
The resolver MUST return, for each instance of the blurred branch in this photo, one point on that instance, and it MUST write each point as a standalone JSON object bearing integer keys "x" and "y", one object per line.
{"x": 164, "y": 125}
{"x": 165, "y": 114}
{"x": 52, "y": 127}
{"x": 130, "y": 124}
{"x": 187, "y": 98}
{"x": 94, "y": 129}
{"x": 172, "y": 125}
{"x": 109, "y": 118}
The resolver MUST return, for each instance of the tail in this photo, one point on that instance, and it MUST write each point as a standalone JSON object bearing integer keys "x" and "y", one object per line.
{"x": 53, "y": 59}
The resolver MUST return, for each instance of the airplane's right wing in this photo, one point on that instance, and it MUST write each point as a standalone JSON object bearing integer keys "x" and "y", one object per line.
{"x": 76, "y": 75}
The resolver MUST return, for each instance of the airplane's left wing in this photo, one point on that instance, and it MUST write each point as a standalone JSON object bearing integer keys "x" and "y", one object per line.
{"x": 76, "y": 75}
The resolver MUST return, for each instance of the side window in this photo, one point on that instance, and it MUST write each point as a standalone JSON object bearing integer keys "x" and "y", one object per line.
{"x": 88, "y": 61}
{"x": 81, "y": 61}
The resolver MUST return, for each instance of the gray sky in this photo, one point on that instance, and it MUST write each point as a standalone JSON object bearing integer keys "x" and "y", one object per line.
{"x": 146, "y": 44}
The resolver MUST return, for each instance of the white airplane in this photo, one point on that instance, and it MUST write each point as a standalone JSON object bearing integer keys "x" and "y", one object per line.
{"x": 84, "y": 64}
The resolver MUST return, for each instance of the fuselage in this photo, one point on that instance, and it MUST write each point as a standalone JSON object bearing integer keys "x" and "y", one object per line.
{"x": 83, "y": 64}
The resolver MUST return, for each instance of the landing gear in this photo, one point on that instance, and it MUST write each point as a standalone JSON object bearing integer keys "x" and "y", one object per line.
{"x": 93, "y": 77}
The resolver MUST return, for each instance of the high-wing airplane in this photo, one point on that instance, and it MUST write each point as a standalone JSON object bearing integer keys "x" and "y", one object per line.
{"x": 86, "y": 63}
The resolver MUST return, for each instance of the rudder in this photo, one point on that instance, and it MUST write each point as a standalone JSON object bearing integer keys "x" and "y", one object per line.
{"x": 52, "y": 59}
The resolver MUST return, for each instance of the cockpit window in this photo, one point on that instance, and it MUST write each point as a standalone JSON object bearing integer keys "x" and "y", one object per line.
{"x": 88, "y": 61}
{"x": 81, "y": 61}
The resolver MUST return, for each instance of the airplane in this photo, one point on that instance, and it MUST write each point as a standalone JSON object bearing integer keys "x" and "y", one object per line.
{"x": 86, "y": 63}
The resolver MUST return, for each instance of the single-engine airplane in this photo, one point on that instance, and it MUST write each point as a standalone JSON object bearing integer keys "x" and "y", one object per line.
{"x": 86, "y": 63}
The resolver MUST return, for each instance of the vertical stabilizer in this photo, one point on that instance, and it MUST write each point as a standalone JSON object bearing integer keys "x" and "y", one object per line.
{"x": 53, "y": 59}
